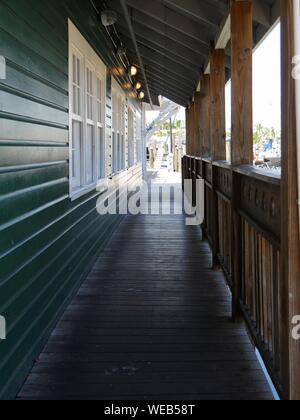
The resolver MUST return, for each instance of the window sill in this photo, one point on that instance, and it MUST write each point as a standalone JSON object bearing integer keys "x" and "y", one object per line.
{"x": 77, "y": 193}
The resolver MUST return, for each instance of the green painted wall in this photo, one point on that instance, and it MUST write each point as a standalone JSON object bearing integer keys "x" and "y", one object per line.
{"x": 47, "y": 243}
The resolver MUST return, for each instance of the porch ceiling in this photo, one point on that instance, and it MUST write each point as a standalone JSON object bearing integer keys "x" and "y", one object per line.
{"x": 174, "y": 36}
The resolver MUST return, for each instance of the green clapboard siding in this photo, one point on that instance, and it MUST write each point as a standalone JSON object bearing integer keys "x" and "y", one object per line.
{"x": 47, "y": 242}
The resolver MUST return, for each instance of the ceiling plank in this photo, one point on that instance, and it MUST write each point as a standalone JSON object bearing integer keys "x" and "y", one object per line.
{"x": 174, "y": 89}
{"x": 166, "y": 56}
{"x": 262, "y": 13}
{"x": 152, "y": 70}
{"x": 168, "y": 68}
{"x": 160, "y": 81}
{"x": 143, "y": 23}
{"x": 198, "y": 11}
{"x": 172, "y": 19}
{"x": 144, "y": 33}
{"x": 173, "y": 98}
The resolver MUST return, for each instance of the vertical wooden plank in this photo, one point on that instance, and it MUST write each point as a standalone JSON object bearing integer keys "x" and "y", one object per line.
{"x": 215, "y": 219}
{"x": 242, "y": 131}
{"x": 217, "y": 91}
{"x": 197, "y": 124}
{"x": 205, "y": 133}
{"x": 187, "y": 123}
{"x": 196, "y": 128}
{"x": 276, "y": 312}
{"x": 218, "y": 134}
{"x": 192, "y": 128}
{"x": 290, "y": 250}
{"x": 241, "y": 71}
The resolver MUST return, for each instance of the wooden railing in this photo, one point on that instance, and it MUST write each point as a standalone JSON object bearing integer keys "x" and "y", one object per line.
{"x": 247, "y": 200}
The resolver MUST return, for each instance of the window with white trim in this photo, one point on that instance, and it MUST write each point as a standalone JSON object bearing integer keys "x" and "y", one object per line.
{"x": 118, "y": 128}
{"x": 87, "y": 114}
{"x": 139, "y": 145}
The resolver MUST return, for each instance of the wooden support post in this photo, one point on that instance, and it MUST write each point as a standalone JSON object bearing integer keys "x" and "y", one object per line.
{"x": 197, "y": 124}
{"x": 242, "y": 125}
{"x": 192, "y": 110}
{"x": 217, "y": 93}
{"x": 218, "y": 135}
{"x": 241, "y": 78}
{"x": 187, "y": 123}
{"x": 290, "y": 250}
{"x": 191, "y": 128}
{"x": 205, "y": 135}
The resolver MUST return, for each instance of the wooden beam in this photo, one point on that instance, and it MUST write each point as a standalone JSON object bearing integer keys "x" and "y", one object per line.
{"x": 218, "y": 136}
{"x": 224, "y": 35}
{"x": 290, "y": 250}
{"x": 205, "y": 115}
{"x": 198, "y": 148}
{"x": 217, "y": 93}
{"x": 192, "y": 118}
{"x": 242, "y": 127}
{"x": 187, "y": 123}
{"x": 241, "y": 81}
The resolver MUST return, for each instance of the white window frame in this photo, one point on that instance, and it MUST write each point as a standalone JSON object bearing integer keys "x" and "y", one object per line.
{"x": 118, "y": 128}
{"x": 139, "y": 137}
{"x": 89, "y": 115}
{"x": 132, "y": 137}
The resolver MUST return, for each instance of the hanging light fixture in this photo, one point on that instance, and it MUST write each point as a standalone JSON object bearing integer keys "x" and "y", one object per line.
{"x": 141, "y": 95}
{"x": 138, "y": 85}
{"x": 133, "y": 71}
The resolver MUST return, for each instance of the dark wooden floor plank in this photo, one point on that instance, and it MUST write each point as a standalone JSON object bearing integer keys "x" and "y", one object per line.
{"x": 151, "y": 321}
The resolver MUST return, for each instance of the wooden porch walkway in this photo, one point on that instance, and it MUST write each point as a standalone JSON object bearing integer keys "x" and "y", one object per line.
{"x": 152, "y": 321}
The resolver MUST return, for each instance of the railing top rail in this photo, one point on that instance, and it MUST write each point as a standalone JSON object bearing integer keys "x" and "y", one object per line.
{"x": 222, "y": 164}
{"x": 259, "y": 174}
{"x": 250, "y": 171}
{"x": 207, "y": 159}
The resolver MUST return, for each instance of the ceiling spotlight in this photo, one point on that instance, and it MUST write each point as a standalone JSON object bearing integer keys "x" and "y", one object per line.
{"x": 138, "y": 85}
{"x": 109, "y": 17}
{"x": 133, "y": 71}
{"x": 141, "y": 95}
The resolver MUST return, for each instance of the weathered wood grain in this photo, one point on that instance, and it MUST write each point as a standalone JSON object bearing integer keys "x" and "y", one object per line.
{"x": 152, "y": 321}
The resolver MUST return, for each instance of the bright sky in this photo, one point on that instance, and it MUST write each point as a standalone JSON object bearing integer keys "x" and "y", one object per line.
{"x": 266, "y": 84}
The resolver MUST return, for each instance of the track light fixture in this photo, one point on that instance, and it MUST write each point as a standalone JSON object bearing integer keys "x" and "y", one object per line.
{"x": 133, "y": 71}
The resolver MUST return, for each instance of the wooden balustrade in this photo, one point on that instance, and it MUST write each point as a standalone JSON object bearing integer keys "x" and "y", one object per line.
{"x": 251, "y": 217}
{"x": 223, "y": 188}
{"x": 258, "y": 207}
